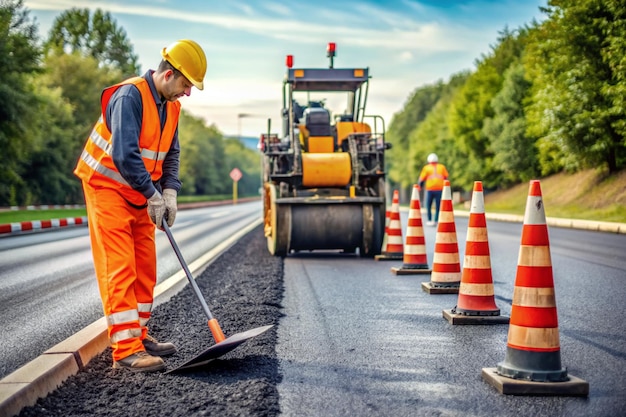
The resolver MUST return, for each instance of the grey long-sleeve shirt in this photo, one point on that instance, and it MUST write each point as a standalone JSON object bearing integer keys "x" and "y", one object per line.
{"x": 124, "y": 114}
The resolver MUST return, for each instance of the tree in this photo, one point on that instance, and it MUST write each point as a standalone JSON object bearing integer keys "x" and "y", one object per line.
{"x": 433, "y": 135}
{"x": 20, "y": 60}
{"x": 514, "y": 151}
{"x": 613, "y": 27}
{"x": 416, "y": 109}
{"x": 98, "y": 36}
{"x": 84, "y": 56}
{"x": 576, "y": 62}
{"x": 81, "y": 81}
{"x": 248, "y": 161}
{"x": 71, "y": 83}
{"x": 47, "y": 171}
{"x": 203, "y": 169}
{"x": 472, "y": 106}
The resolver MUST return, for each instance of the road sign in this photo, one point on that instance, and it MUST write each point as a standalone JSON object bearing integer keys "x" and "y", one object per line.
{"x": 236, "y": 174}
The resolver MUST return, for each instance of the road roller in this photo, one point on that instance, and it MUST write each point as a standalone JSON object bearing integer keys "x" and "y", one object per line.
{"x": 324, "y": 176}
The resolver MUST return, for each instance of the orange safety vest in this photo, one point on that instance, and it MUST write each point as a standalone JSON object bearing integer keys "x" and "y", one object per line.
{"x": 95, "y": 165}
{"x": 434, "y": 174}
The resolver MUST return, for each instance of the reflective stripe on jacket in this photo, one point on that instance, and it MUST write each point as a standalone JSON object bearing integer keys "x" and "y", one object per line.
{"x": 434, "y": 174}
{"x": 95, "y": 165}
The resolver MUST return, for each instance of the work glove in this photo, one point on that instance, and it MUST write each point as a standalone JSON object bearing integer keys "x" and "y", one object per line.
{"x": 156, "y": 209}
{"x": 169, "y": 196}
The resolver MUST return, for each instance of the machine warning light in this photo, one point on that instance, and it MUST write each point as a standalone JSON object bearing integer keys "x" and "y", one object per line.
{"x": 330, "y": 49}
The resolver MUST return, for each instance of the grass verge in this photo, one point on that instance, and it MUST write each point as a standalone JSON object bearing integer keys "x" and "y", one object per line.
{"x": 16, "y": 216}
{"x": 586, "y": 195}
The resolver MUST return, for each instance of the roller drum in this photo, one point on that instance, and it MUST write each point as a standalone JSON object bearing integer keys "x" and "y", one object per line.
{"x": 326, "y": 226}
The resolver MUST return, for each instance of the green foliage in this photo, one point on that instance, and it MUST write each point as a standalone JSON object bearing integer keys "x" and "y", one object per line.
{"x": 547, "y": 98}
{"x": 20, "y": 59}
{"x": 576, "y": 62}
{"x": 613, "y": 27}
{"x": 472, "y": 107}
{"x": 67, "y": 105}
{"x": 48, "y": 107}
{"x": 206, "y": 159}
{"x": 81, "y": 80}
{"x": 540, "y": 102}
{"x": 419, "y": 105}
{"x": 248, "y": 161}
{"x": 514, "y": 152}
{"x": 202, "y": 157}
{"x": 97, "y": 35}
{"x": 47, "y": 172}
{"x": 433, "y": 134}
{"x": 14, "y": 216}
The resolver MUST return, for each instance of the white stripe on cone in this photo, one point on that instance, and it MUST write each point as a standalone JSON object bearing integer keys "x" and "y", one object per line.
{"x": 534, "y": 211}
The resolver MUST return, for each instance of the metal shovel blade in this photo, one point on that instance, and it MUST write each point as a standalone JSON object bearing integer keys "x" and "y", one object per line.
{"x": 220, "y": 349}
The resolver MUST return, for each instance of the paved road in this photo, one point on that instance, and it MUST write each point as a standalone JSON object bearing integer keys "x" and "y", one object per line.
{"x": 358, "y": 340}
{"x": 48, "y": 289}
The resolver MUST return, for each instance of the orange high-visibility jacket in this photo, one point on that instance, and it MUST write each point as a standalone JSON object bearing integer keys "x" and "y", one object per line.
{"x": 95, "y": 165}
{"x": 433, "y": 174}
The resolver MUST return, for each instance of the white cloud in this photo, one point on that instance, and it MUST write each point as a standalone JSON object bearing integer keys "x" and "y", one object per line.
{"x": 246, "y": 9}
{"x": 404, "y": 33}
{"x": 404, "y": 43}
{"x": 233, "y": 92}
{"x": 277, "y": 8}
{"x": 405, "y": 56}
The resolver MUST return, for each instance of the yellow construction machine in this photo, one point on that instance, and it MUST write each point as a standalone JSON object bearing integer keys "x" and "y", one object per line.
{"x": 324, "y": 177}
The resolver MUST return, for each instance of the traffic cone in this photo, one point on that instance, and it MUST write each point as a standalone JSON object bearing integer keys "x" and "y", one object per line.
{"x": 476, "y": 303}
{"x": 446, "y": 275}
{"x": 414, "y": 258}
{"x": 395, "y": 247}
{"x": 532, "y": 365}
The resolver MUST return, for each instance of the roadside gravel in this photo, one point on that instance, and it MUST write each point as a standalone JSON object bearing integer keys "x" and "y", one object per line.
{"x": 243, "y": 288}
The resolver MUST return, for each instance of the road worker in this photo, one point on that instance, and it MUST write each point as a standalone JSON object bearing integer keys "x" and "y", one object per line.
{"x": 431, "y": 180}
{"x": 129, "y": 172}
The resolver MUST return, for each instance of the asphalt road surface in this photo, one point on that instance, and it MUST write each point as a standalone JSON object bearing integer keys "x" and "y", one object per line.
{"x": 354, "y": 339}
{"x": 359, "y": 340}
{"x": 48, "y": 289}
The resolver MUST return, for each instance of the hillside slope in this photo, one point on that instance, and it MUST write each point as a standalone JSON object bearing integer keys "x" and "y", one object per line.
{"x": 589, "y": 195}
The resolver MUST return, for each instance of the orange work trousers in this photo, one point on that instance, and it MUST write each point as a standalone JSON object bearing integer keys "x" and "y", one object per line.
{"x": 124, "y": 256}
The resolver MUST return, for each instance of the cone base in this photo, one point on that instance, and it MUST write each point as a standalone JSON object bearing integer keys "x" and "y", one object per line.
{"x": 532, "y": 366}
{"x": 409, "y": 271}
{"x": 463, "y": 319}
{"x": 431, "y": 288}
{"x": 389, "y": 257}
{"x": 466, "y": 312}
{"x": 574, "y": 387}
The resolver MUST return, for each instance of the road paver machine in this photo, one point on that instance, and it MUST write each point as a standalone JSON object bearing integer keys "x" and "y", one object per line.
{"x": 324, "y": 177}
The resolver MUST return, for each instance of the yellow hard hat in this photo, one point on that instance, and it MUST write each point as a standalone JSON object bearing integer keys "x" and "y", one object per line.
{"x": 187, "y": 57}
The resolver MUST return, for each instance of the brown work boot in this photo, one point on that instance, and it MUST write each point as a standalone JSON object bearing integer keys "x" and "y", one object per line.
{"x": 155, "y": 348}
{"x": 140, "y": 362}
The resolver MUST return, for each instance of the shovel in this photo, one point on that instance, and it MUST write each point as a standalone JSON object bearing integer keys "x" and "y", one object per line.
{"x": 222, "y": 344}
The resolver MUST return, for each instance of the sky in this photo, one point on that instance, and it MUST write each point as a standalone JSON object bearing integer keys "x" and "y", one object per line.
{"x": 406, "y": 44}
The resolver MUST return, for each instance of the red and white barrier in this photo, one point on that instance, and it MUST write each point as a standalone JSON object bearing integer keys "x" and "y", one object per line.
{"x": 10, "y": 228}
